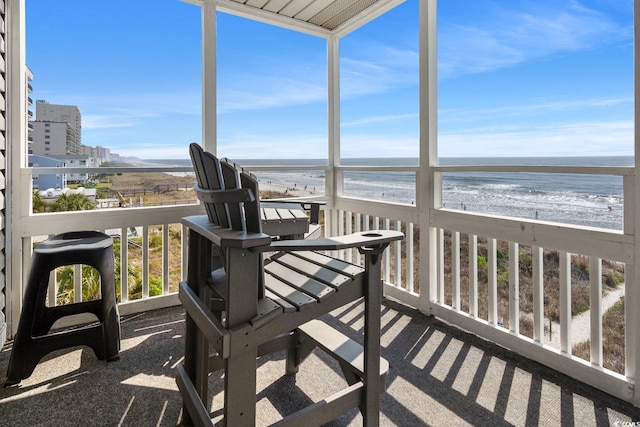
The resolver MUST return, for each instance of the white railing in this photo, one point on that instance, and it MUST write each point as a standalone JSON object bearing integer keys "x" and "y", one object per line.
{"x": 160, "y": 224}
{"x": 454, "y": 242}
{"x": 490, "y": 310}
{"x": 153, "y": 258}
{"x": 446, "y": 296}
{"x": 595, "y": 245}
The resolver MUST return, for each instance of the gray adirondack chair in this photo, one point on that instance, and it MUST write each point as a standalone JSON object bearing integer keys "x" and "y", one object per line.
{"x": 240, "y": 305}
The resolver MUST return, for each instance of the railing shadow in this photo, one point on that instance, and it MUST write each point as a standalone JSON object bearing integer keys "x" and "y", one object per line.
{"x": 73, "y": 387}
{"x": 439, "y": 375}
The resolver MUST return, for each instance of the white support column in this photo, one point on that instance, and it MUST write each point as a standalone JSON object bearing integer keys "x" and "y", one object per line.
{"x": 333, "y": 178}
{"x": 17, "y": 185}
{"x": 428, "y": 185}
{"x": 209, "y": 76}
{"x": 631, "y": 217}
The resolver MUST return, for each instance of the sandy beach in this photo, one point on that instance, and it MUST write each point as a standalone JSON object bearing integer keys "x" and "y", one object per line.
{"x": 185, "y": 180}
{"x": 295, "y": 191}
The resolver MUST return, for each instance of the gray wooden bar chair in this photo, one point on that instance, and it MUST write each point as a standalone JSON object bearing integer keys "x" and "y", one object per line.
{"x": 240, "y": 306}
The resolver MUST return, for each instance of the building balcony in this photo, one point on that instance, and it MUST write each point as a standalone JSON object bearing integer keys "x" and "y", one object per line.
{"x": 455, "y": 357}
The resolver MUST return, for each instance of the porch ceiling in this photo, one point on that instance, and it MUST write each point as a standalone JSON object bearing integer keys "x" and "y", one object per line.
{"x": 318, "y": 17}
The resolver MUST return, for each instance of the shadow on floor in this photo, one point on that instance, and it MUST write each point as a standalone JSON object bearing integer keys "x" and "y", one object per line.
{"x": 439, "y": 376}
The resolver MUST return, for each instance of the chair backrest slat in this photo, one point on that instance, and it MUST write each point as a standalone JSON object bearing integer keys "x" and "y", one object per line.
{"x": 209, "y": 177}
{"x": 236, "y": 210}
{"x": 252, "y": 209}
{"x": 231, "y": 180}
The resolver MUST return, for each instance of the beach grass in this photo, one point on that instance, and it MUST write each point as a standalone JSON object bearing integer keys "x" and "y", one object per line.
{"x": 613, "y": 273}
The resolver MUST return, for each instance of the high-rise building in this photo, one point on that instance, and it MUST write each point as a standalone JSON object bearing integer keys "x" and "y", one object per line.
{"x": 60, "y": 113}
{"x": 57, "y": 129}
{"x": 53, "y": 138}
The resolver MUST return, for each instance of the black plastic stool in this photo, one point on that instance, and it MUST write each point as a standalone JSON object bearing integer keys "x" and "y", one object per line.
{"x": 32, "y": 341}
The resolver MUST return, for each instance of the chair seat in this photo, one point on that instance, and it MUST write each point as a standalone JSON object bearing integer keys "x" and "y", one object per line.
{"x": 295, "y": 282}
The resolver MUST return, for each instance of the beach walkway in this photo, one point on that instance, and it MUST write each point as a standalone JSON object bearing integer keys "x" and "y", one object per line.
{"x": 581, "y": 324}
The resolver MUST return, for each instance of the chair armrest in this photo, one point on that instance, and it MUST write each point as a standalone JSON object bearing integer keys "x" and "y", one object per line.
{"x": 307, "y": 205}
{"x": 225, "y": 237}
{"x": 355, "y": 240}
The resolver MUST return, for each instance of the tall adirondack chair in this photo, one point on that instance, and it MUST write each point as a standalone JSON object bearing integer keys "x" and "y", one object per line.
{"x": 242, "y": 304}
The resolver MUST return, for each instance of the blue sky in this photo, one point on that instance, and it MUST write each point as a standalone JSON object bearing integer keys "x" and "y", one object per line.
{"x": 516, "y": 78}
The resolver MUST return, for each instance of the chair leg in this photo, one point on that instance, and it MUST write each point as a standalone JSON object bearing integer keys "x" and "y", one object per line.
{"x": 372, "y": 305}
{"x": 291, "y": 368}
{"x": 240, "y": 389}
{"x": 24, "y": 356}
{"x": 110, "y": 315}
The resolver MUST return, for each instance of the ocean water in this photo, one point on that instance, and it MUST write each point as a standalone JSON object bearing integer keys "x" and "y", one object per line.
{"x": 592, "y": 200}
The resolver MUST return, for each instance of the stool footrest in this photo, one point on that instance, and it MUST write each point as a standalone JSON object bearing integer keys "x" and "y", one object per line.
{"x": 340, "y": 347}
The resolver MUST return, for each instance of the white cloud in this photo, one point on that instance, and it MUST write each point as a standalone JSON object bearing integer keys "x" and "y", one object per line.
{"x": 110, "y": 110}
{"x": 569, "y": 139}
{"x": 505, "y": 36}
{"x": 258, "y": 146}
{"x": 258, "y": 93}
{"x": 377, "y": 145}
{"x": 105, "y": 121}
{"x": 542, "y": 106}
{"x": 155, "y": 151}
{"x": 374, "y": 67}
{"x": 381, "y": 119}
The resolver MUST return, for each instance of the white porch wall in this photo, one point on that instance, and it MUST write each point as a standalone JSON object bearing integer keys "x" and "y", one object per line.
{"x": 14, "y": 154}
{"x": 3, "y": 180}
{"x": 631, "y": 221}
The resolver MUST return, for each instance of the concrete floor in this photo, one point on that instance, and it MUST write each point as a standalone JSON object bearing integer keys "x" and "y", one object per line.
{"x": 439, "y": 376}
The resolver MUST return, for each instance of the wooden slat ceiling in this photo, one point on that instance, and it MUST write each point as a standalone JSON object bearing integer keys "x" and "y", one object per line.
{"x": 326, "y": 16}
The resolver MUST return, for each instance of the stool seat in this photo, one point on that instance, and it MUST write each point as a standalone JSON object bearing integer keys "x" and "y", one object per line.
{"x": 33, "y": 341}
